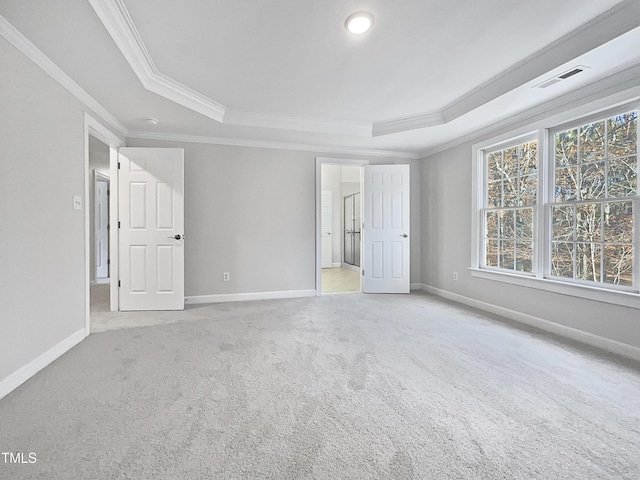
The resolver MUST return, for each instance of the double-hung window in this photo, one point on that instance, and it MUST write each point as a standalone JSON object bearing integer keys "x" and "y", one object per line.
{"x": 595, "y": 172}
{"x": 562, "y": 204}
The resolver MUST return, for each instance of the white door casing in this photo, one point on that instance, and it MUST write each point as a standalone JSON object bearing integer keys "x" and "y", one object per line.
{"x": 151, "y": 233}
{"x": 326, "y": 211}
{"x": 386, "y": 229}
{"x": 101, "y": 228}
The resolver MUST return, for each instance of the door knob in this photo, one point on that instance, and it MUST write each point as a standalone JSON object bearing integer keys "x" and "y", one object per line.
{"x": 177, "y": 236}
{"x": 404, "y": 235}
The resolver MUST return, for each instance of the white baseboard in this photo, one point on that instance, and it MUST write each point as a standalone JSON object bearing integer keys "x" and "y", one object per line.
{"x": 597, "y": 341}
{"x": 335, "y": 264}
{"x": 243, "y": 297}
{"x": 24, "y": 373}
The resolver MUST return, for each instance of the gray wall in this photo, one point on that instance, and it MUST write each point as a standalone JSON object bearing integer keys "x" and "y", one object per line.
{"x": 251, "y": 212}
{"x": 446, "y": 240}
{"x": 331, "y": 180}
{"x": 42, "y": 281}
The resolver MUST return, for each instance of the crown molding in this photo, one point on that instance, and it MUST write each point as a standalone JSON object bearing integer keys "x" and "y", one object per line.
{"x": 404, "y": 124}
{"x": 119, "y": 24}
{"x": 28, "y": 49}
{"x": 241, "y": 142}
{"x": 297, "y": 123}
{"x": 617, "y": 21}
{"x": 621, "y": 87}
{"x": 115, "y": 17}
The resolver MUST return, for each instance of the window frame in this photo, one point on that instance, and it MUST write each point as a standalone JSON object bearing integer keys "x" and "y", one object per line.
{"x": 544, "y": 132}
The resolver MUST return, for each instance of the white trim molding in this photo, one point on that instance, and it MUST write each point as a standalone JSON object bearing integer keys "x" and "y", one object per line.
{"x": 116, "y": 19}
{"x": 34, "y": 54}
{"x": 245, "y": 142}
{"x": 597, "y": 341}
{"x": 118, "y": 22}
{"x": 244, "y": 297}
{"x": 24, "y": 373}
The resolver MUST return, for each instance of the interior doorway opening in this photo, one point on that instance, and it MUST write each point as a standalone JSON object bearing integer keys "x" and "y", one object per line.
{"x": 99, "y": 225}
{"x": 340, "y": 227}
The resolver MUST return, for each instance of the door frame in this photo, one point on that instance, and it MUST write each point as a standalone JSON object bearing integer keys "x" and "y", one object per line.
{"x": 100, "y": 177}
{"x": 93, "y": 127}
{"x": 319, "y": 162}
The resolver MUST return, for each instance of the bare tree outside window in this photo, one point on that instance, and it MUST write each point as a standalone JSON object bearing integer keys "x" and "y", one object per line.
{"x": 592, "y": 219}
{"x": 511, "y": 180}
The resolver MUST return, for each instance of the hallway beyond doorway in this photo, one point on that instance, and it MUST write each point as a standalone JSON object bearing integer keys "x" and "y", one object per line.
{"x": 340, "y": 280}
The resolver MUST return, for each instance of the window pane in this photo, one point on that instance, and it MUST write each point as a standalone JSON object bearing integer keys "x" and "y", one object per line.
{"x": 567, "y": 148}
{"x": 528, "y": 186}
{"x": 566, "y": 184}
{"x": 524, "y": 223}
{"x": 623, "y": 177}
{"x": 491, "y": 259}
{"x": 492, "y": 225}
{"x": 618, "y": 222}
{"x": 510, "y": 192}
{"x": 510, "y": 162}
{"x": 588, "y": 222}
{"x": 592, "y": 142}
{"x": 562, "y": 259}
{"x": 562, "y": 218}
{"x": 592, "y": 183}
{"x": 529, "y": 158}
{"x": 506, "y": 254}
{"x": 494, "y": 166}
{"x": 588, "y": 261}
{"x": 494, "y": 194}
{"x": 622, "y": 134}
{"x": 506, "y": 224}
{"x": 618, "y": 264}
{"x": 524, "y": 256}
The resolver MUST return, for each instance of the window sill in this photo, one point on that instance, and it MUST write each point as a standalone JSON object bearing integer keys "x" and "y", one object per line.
{"x": 614, "y": 297}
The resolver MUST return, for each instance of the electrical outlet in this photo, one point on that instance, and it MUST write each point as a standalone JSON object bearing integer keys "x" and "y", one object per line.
{"x": 226, "y": 276}
{"x": 455, "y": 276}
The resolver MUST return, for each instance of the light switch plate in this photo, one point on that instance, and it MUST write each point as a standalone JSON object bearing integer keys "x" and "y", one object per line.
{"x": 77, "y": 202}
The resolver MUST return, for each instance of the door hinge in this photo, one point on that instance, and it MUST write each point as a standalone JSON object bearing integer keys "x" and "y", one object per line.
{"x": 108, "y": 192}
{"x": 363, "y": 272}
{"x": 118, "y": 224}
{"x": 118, "y": 165}
{"x": 119, "y": 283}
{"x": 108, "y": 261}
{"x": 108, "y": 227}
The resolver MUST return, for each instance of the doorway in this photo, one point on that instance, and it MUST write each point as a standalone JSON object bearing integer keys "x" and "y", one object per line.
{"x": 99, "y": 226}
{"x": 340, "y": 216}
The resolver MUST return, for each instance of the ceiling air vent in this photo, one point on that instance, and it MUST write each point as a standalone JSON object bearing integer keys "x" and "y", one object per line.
{"x": 563, "y": 76}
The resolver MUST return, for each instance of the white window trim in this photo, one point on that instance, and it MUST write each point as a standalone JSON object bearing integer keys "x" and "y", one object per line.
{"x": 539, "y": 280}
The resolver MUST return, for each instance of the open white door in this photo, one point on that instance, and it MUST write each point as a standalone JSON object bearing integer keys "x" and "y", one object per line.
{"x": 386, "y": 229}
{"x": 326, "y": 211}
{"x": 151, "y": 214}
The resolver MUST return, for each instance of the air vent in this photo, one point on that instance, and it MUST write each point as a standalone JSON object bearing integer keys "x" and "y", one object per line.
{"x": 563, "y": 76}
{"x": 573, "y": 72}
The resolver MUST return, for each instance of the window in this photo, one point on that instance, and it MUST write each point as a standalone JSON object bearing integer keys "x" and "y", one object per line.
{"x": 511, "y": 180}
{"x": 562, "y": 204}
{"x": 592, "y": 213}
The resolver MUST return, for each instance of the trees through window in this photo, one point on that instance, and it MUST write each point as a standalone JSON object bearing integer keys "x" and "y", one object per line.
{"x": 589, "y": 204}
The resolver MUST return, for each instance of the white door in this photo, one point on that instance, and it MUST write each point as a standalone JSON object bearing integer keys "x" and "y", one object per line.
{"x": 102, "y": 229}
{"x": 386, "y": 229}
{"x": 151, "y": 241}
{"x": 326, "y": 206}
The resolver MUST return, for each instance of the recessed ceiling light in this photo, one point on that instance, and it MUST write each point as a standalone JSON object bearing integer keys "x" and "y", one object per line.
{"x": 359, "y": 22}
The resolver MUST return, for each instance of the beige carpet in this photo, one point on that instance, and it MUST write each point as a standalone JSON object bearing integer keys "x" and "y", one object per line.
{"x": 334, "y": 387}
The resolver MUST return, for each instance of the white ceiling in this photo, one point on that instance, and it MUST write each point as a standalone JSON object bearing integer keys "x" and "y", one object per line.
{"x": 287, "y": 71}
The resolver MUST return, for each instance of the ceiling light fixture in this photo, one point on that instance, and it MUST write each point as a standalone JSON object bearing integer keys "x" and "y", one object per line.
{"x": 359, "y": 22}
{"x": 151, "y": 121}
